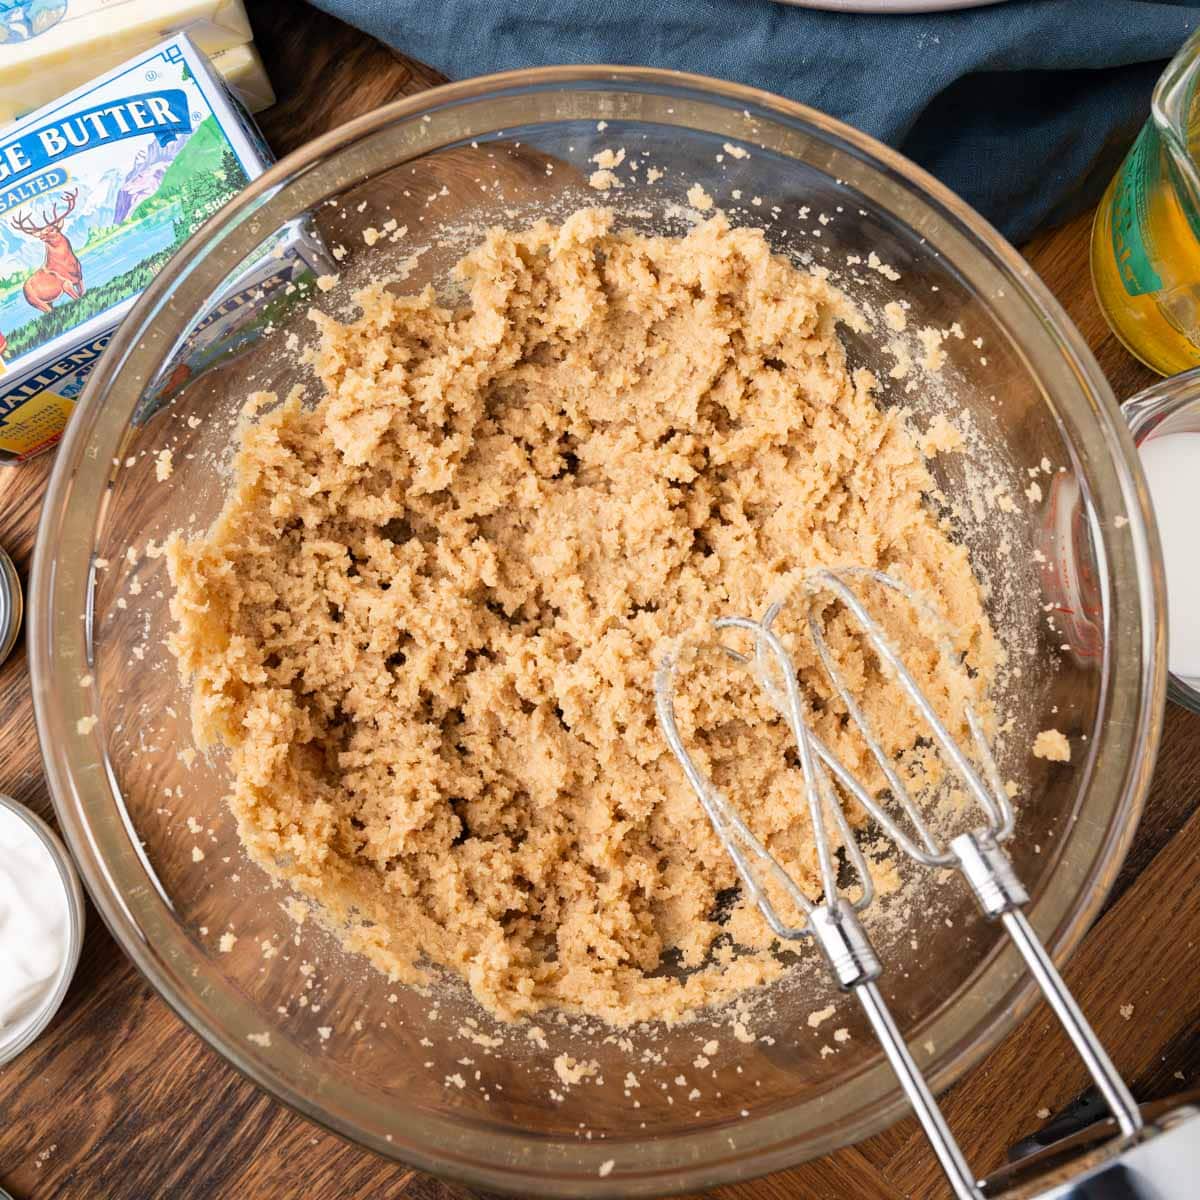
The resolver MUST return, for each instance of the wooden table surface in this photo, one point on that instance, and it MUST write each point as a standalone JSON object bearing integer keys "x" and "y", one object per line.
{"x": 120, "y": 1100}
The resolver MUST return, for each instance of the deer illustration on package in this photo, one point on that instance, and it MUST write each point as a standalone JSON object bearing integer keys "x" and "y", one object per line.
{"x": 61, "y": 273}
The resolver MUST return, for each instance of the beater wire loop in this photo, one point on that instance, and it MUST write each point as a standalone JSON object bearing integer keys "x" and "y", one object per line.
{"x": 830, "y": 827}
{"x": 987, "y": 789}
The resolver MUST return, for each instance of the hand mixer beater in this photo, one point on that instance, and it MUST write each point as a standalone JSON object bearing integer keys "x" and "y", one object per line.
{"x": 1162, "y": 1160}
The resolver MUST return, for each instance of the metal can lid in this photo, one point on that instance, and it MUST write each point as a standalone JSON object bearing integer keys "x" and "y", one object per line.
{"x": 12, "y": 605}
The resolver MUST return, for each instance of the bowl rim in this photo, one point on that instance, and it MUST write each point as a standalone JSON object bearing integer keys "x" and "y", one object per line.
{"x": 1150, "y": 606}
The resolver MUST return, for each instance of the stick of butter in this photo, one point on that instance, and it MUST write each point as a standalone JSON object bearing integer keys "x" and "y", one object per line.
{"x": 243, "y": 71}
{"x": 48, "y": 47}
{"x": 97, "y": 191}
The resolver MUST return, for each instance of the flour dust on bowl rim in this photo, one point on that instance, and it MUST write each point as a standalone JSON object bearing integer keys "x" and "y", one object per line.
{"x": 443, "y": 166}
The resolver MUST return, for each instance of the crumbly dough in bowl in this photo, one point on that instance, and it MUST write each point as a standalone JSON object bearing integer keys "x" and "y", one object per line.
{"x": 426, "y": 622}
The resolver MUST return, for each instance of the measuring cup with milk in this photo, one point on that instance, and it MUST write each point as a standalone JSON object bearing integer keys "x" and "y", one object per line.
{"x": 1165, "y": 423}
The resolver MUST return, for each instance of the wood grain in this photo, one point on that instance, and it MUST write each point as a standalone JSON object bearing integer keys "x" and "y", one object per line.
{"x": 120, "y": 1100}
{"x": 324, "y": 73}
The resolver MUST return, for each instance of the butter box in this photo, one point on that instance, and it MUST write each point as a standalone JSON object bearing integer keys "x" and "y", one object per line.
{"x": 97, "y": 190}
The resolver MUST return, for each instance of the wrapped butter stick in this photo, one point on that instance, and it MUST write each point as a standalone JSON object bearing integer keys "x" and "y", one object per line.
{"x": 245, "y": 76}
{"x": 48, "y": 47}
{"x": 97, "y": 190}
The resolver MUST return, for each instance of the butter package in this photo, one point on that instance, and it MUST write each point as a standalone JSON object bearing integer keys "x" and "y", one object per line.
{"x": 97, "y": 190}
{"x": 48, "y": 47}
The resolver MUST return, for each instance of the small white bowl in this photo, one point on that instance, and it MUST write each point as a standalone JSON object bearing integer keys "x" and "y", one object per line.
{"x": 14, "y": 1040}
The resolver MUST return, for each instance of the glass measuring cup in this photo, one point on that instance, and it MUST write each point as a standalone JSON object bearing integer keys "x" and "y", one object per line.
{"x": 1145, "y": 252}
{"x": 1171, "y": 409}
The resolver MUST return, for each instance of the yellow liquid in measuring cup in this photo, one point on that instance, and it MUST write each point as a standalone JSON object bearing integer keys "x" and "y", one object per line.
{"x": 1146, "y": 256}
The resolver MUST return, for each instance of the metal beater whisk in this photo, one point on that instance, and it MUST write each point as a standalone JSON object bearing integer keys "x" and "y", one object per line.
{"x": 833, "y": 922}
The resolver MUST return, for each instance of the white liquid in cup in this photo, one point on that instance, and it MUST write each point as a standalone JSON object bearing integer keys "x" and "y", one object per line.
{"x": 1172, "y": 466}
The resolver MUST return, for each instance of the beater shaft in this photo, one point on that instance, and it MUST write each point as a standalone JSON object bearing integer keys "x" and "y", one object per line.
{"x": 1112, "y": 1087}
{"x": 1002, "y": 896}
{"x": 856, "y": 967}
{"x": 950, "y": 1157}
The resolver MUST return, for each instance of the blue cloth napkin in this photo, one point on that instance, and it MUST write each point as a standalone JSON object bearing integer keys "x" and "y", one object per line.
{"x": 1024, "y": 108}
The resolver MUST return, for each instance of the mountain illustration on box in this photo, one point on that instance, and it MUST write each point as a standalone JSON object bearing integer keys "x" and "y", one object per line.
{"x": 121, "y": 225}
{"x": 142, "y": 179}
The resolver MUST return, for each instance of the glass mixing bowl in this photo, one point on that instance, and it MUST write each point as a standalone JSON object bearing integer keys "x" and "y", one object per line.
{"x": 428, "y": 1078}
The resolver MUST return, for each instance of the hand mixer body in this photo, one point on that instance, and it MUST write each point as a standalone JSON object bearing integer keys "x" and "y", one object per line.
{"x": 1162, "y": 1164}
